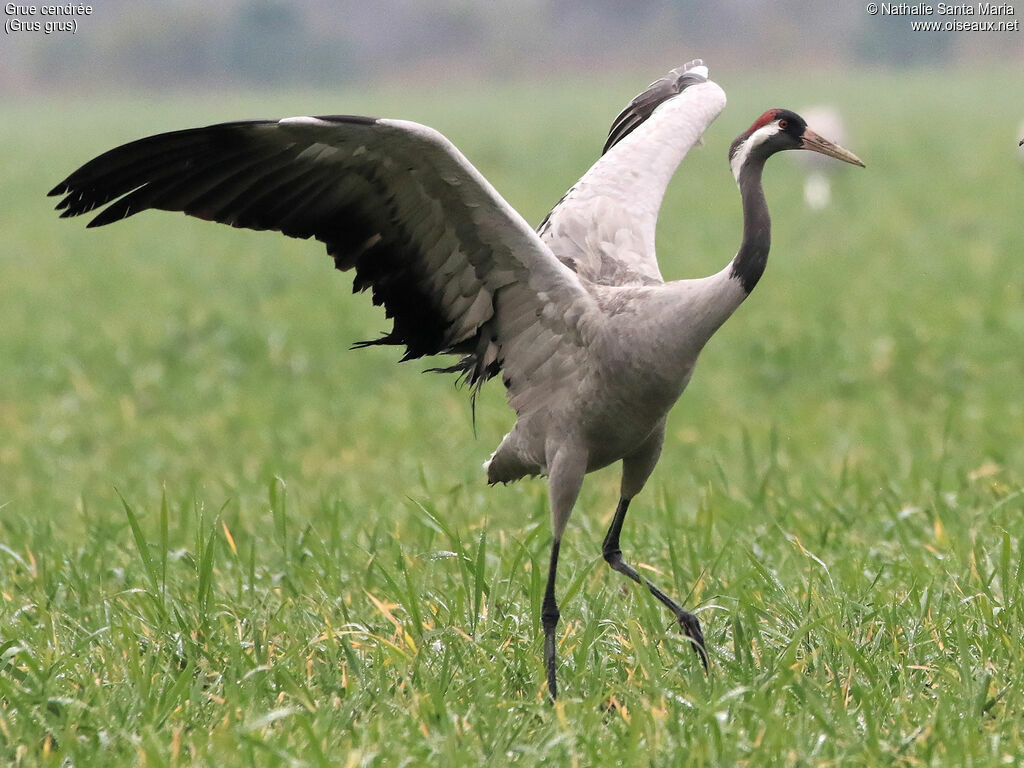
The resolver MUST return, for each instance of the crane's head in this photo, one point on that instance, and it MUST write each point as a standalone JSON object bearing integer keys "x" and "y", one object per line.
{"x": 776, "y": 130}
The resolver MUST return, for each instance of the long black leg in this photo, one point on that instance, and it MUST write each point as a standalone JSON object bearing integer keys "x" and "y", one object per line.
{"x": 613, "y": 555}
{"x": 549, "y": 616}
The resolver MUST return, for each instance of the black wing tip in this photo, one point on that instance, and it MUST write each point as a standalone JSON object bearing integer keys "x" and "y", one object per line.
{"x": 653, "y": 96}
{"x": 77, "y": 188}
{"x": 64, "y": 205}
{"x": 69, "y": 208}
{"x": 66, "y": 210}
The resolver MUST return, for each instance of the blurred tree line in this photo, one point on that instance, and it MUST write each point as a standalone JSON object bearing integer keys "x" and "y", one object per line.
{"x": 163, "y": 43}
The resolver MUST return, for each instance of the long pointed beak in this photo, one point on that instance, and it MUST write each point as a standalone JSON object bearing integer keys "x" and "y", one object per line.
{"x": 816, "y": 143}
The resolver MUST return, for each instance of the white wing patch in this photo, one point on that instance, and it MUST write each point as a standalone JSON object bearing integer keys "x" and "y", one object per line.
{"x": 605, "y": 227}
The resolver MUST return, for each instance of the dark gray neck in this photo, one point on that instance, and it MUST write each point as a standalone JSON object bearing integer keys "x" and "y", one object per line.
{"x": 749, "y": 262}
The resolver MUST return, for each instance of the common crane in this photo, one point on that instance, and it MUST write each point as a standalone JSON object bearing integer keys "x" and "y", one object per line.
{"x": 593, "y": 346}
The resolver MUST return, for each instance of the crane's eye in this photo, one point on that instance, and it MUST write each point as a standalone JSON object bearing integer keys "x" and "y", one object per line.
{"x": 783, "y": 124}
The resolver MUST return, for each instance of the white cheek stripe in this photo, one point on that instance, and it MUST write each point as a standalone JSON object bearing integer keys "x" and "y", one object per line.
{"x": 757, "y": 138}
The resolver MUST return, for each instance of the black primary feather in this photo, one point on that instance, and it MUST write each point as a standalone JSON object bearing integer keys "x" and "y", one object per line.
{"x": 658, "y": 92}
{"x": 233, "y": 173}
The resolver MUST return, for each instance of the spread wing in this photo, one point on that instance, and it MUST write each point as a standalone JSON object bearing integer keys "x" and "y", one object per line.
{"x": 456, "y": 267}
{"x": 604, "y": 227}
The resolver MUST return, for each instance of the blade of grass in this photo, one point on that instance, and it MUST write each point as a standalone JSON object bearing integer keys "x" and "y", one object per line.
{"x": 149, "y": 566}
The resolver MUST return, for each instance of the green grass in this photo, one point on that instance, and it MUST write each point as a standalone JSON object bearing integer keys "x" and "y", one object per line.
{"x": 226, "y": 540}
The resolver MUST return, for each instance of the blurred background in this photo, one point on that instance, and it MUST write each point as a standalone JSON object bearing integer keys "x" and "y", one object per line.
{"x": 842, "y": 488}
{"x": 128, "y": 354}
{"x": 197, "y": 44}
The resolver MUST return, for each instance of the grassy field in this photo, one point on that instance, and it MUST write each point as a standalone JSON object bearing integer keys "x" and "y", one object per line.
{"x": 227, "y": 540}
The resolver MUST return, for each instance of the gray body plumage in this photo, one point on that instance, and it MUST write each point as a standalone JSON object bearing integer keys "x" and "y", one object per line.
{"x": 607, "y": 399}
{"x": 606, "y": 395}
{"x": 593, "y": 346}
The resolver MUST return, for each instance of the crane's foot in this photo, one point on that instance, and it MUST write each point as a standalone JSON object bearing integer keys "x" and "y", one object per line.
{"x": 613, "y": 556}
{"x": 689, "y": 623}
{"x": 691, "y": 626}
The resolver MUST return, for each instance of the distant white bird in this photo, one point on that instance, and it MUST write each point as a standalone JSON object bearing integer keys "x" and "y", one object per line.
{"x": 593, "y": 346}
{"x": 818, "y": 182}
